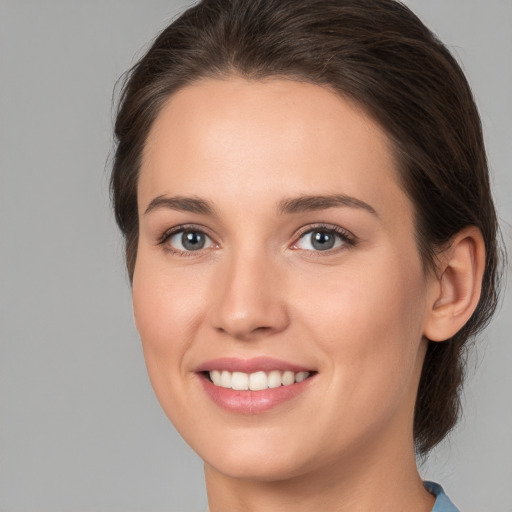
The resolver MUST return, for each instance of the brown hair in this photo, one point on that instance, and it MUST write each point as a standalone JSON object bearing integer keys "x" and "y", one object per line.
{"x": 378, "y": 53}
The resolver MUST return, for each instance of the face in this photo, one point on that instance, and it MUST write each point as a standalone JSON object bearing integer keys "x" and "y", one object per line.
{"x": 278, "y": 290}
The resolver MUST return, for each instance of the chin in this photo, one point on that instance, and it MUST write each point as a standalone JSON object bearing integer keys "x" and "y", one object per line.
{"x": 258, "y": 469}
{"x": 255, "y": 460}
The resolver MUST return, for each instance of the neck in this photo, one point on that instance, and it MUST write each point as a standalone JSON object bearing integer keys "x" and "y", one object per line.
{"x": 379, "y": 479}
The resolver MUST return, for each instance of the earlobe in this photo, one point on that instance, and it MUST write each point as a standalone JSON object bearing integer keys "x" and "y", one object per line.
{"x": 457, "y": 287}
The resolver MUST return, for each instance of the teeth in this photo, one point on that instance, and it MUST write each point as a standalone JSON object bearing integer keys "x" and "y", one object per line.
{"x": 274, "y": 379}
{"x": 288, "y": 378}
{"x": 299, "y": 377}
{"x": 225, "y": 379}
{"x": 256, "y": 381}
{"x": 240, "y": 381}
{"x": 216, "y": 377}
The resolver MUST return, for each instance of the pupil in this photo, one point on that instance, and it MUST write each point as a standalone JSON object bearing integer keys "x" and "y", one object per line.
{"x": 192, "y": 240}
{"x": 322, "y": 240}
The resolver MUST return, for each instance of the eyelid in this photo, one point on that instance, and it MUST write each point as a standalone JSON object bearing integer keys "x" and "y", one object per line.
{"x": 346, "y": 236}
{"x": 166, "y": 235}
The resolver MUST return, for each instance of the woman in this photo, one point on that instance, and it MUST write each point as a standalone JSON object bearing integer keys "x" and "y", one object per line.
{"x": 311, "y": 240}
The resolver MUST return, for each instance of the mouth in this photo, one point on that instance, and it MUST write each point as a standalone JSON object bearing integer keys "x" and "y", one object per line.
{"x": 253, "y": 386}
{"x": 255, "y": 381}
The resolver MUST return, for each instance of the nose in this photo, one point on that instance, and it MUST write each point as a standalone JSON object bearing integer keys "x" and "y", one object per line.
{"x": 249, "y": 298}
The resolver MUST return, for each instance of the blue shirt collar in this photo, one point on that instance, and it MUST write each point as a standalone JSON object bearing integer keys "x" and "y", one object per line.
{"x": 443, "y": 503}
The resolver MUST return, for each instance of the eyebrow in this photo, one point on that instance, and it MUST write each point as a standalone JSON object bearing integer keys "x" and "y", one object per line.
{"x": 306, "y": 203}
{"x": 185, "y": 204}
{"x": 292, "y": 205}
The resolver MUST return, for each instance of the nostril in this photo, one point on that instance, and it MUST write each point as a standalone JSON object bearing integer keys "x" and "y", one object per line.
{"x": 246, "y": 333}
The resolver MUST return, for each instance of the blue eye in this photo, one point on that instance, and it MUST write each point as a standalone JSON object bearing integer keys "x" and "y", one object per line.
{"x": 323, "y": 239}
{"x": 188, "y": 240}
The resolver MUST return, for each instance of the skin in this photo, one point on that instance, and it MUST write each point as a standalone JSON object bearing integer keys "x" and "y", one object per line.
{"x": 356, "y": 314}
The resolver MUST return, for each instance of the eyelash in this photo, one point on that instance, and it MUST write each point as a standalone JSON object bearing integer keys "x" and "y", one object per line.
{"x": 178, "y": 229}
{"x": 346, "y": 237}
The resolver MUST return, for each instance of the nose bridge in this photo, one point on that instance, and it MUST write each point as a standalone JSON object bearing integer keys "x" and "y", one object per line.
{"x": 248, "y": 300}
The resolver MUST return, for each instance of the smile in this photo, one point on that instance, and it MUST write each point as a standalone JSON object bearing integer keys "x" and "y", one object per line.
{"x": 253, "y": 386}
{"x": 256, "y": 381}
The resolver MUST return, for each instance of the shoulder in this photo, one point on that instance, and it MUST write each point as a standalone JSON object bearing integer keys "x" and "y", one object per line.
{"x": 443, "y": 503}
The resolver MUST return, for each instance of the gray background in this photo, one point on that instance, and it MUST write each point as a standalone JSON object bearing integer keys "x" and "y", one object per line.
{"x": 80, "y": 429}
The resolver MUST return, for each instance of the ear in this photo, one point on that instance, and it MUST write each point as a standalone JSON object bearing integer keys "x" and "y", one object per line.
{"x": 455, "y": 290}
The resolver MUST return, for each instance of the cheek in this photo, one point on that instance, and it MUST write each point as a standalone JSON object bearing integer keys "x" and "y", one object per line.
{"x": 369, "y": 327}
{"x": 369, "y": 320}
{"x": 166, "y": 313}
{"x": 386, "y": 296}
{"x": 167, "y": 309}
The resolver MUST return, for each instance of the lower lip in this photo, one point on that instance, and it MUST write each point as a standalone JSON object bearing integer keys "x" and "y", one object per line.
{"x": 252, "y": 402}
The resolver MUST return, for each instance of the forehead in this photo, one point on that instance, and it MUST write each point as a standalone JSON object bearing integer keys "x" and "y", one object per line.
{"x": 260, "y": 136}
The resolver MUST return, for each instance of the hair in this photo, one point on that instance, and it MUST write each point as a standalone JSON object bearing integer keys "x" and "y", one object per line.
{"x": 378, "y": 54}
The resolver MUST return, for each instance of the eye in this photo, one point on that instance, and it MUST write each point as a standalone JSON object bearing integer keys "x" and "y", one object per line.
{"x": 186, "y": 240}
{"x": 323, "y": 239}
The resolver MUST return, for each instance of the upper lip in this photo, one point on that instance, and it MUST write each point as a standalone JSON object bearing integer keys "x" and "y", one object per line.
{"x": 266, "y": 364}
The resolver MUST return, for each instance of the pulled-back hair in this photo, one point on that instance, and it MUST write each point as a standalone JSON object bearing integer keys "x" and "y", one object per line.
{"x": 379, "y": 54}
